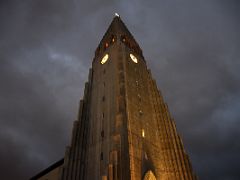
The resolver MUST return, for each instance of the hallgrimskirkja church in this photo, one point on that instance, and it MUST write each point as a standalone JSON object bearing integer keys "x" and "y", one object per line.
{"x": 124, "y": 130}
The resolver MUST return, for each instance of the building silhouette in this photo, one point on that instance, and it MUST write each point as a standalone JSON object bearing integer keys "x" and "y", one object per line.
{"x": 124, "y": 130}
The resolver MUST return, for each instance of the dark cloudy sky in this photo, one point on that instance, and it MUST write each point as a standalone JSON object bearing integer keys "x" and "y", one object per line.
{"x": 46, "y": 49}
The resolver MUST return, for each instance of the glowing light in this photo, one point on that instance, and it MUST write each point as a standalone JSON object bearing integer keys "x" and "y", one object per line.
{"x": 143, "y": 133}
{"x": 104, "y": 59}
{"x": 116, "y": 14}
{"x": 134, "y": 59}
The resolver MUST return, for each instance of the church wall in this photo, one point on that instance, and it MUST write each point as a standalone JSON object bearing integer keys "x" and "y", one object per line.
{"x": 52, "y": 175}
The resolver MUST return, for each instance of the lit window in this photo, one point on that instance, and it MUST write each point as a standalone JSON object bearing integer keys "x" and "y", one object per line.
{"x": 143, "y": 133}
{"x": 106, "y": 45}
{"x": 123, "y": 39}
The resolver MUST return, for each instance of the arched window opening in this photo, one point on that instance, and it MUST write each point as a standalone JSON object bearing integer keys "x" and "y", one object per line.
{"x": 149, "y": 176}
{"x": 123, "y": 38}
{"x": 106, "y": 45}
{"x": 112, "y": 39}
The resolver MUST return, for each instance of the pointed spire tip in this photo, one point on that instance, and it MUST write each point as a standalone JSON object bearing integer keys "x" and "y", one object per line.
{"x": 117, "y": 15}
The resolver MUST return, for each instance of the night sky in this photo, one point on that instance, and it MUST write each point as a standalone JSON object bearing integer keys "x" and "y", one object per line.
{"x": 46, "y": 49}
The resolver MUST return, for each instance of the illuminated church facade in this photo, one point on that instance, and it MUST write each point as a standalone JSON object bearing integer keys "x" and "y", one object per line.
{"x": 124, "y": 130}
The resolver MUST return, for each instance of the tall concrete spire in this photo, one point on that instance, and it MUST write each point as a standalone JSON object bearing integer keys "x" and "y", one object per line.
{"x": 124, "y": 130}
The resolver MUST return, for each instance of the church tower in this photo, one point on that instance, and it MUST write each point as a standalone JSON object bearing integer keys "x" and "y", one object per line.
{"x": 124, "y": 130}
